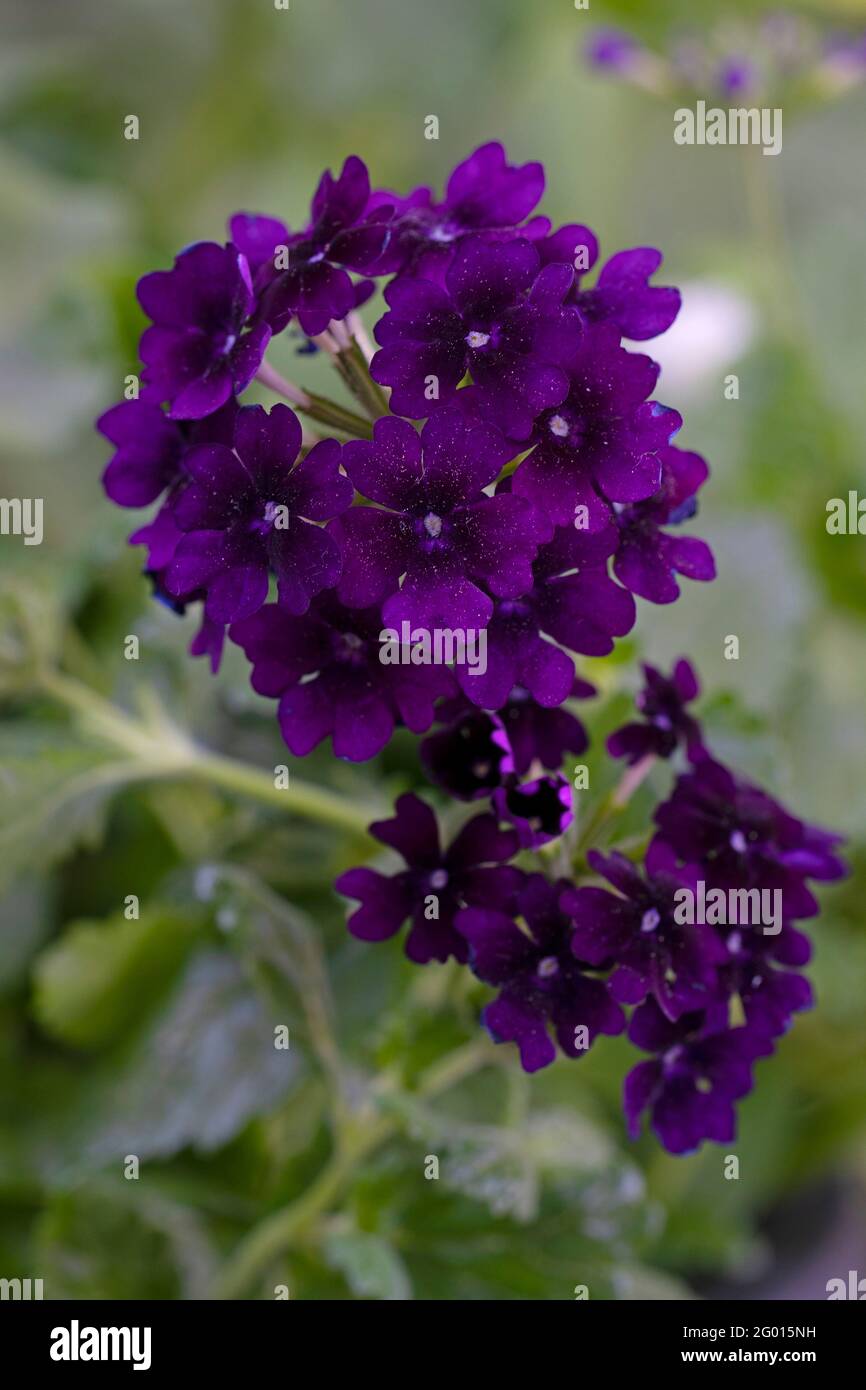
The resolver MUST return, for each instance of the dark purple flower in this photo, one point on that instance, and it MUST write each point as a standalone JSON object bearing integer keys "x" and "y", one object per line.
{"x": 253, "y": 511}
{"x": 466, "y": 757}
{"x": 436, "y": 883}
{"x": 604, "y": 435}
{"x": 662, "y": 703}
{"x": 485, "y": 194}
{"x": 573, "y": 601}
{"x": 531, "y": 731}
{"x": 745, "y": 839}
{"x": 498, "y": 319}
{"x": 701, "y": 1067}
{"x": 315, "y": 284}
{"x": 540, "y": 810}
{"x": 648, "y": 558}
{"x": 325, "y": 666}
{"x": 636, "y": 931}
{"x": 149, "y": 447}
{"x": 257, "y": 237}
{"x": 770, "y": 997}
{"x": 624, "y": 297}
{"x": 540, "y": 981}
{"x": 438, "y": 529}
{"x": 200, "y": 349}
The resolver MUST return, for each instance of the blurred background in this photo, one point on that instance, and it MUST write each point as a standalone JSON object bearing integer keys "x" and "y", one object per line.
{"x": 152, "y": 1138}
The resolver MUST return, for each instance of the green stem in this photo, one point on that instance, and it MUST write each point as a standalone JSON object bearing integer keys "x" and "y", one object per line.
{"x": 267, "y": 1241}
{"x": 160, "y": 749}
{"x": 612, "y": 805}
{"x": 336, "y": 417}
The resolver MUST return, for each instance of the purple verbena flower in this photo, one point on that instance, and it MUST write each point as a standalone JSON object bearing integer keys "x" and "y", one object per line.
{"x": 315, "y": 284}
{"x": 499, "y": 318}
{"x": 745, "y": 839}
{"x": 701, "y": 1067}
{"x": 604, "y": 436}
{"x": 484, "y": 195}
{"x": 572, "y": 600}
{"x": 635, "y": 930}
{"x": 201, "y": 347}
{"x": 540, "y": 982}
{"x": 253, "y": 510}
{"x": 466, "y": 757}
{"x": 648, "y": 559}
{"x": 540, "y": 810}
{"x": 434, "y": 525}
{"x": 532, "y": 732}
{"x": 667, "y": 725}
{"x": 436, "y": 883}
{"x": 325, "y": 668}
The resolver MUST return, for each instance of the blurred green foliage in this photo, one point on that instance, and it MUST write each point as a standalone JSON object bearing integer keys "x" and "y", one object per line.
{"x": 154, "y": 1037}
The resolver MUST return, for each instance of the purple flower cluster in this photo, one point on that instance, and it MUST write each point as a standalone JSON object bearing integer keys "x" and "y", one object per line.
{"x": 757, "y": 61}
{"x": 512, "y": 490}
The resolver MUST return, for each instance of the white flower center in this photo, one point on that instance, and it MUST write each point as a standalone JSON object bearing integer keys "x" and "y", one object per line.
{"x": 559, "y": 427}
{"x": 650, "y": 920}
{"x": 548, "y": 967}
{"x": 432, "y": 524}
{"x": 477, "y": 340}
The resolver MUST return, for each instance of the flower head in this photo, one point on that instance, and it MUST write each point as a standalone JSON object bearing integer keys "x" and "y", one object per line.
{"x": 315, "y": 284}
{"x": 253, "y": 510}
{"x": 202, "y": 346}
{"x": 662, "y": 704}
{"x": 435, "y": 884}
{"x": 499, "y": 318}
{"x": 453, "y": 545}
{"x": 325, "y": 668}
{"x": 526, "y": 952}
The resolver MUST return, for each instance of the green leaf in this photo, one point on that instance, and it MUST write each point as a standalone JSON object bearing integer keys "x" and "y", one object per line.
{"x": 204, "y": 1068}
{"x": 371, "y": 1267}
{"x": 53, "y": 792}
{"x": 100, "y": 978}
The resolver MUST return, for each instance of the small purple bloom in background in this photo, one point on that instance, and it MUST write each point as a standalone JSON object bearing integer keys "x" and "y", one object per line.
{"x": 325, "y": 669}
{"x": 436, "y": 526}
{"x": 499, "y": 318}
{"x": 662, "y": 703}
{"x": 612, "y": 49}
{"x": 251, "y": 511}
{"x": 316, "y": 285}
{"x": 436, "y": 883}
{"x": 540, "y": 981}
{"x": 648, "y": 559}
{"x": 701, "y": 1067}
{"x": 201, "y": 348}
